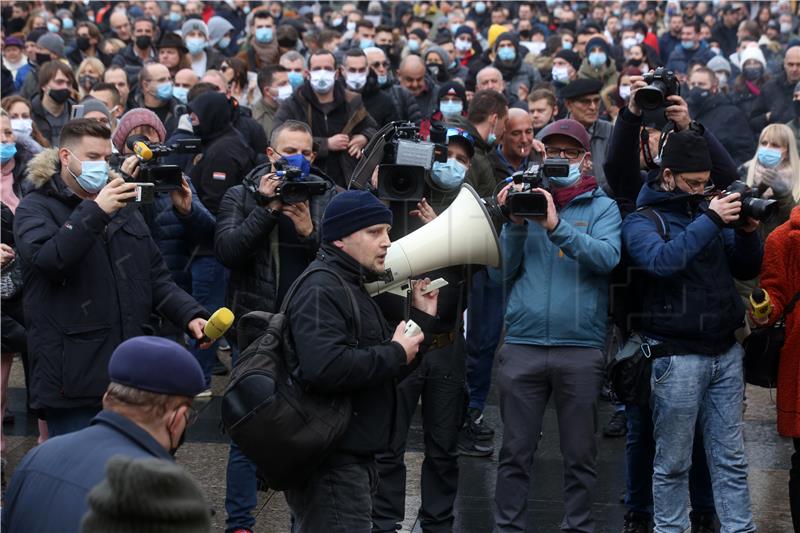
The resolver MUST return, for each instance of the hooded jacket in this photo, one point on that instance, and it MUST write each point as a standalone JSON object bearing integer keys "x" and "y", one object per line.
{"x": 481, "y": 173}
{"x": 39, "y": 116}
{"x": 379, "y": 103}
{"x": 680, "y": 58}
{"x": 775, "y": 98}
{"x": 727, "y": 123}
{"x": 516, "y": 72}
{"x": 91, "y": 281}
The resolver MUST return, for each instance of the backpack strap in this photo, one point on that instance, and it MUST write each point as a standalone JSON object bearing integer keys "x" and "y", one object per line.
{"x": 790, "y": 306}
{"x": 655, "y": 218}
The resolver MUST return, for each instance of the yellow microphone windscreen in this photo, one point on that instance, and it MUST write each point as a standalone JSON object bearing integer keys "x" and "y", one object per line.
{"x": 218, "y": 323}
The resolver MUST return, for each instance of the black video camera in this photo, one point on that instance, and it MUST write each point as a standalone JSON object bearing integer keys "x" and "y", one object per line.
{"x": 295, "y": 188}
{"x": 529, "y": 203}
{"x": 407, "y": 162}
{"x": 753, "y": 206}
{"x": 661, "y": 83}
{"x": 165, "y": 178}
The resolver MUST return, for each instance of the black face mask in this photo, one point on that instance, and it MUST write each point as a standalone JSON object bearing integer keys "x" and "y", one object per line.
{"x": 143, "y": 41}
{"x": 696, "y": 96}
{"x": 59, "y": 96}
{"x": 82, "y": 43}
{"x": 41, "y": 59}
{"x": 752, "y": 73}
{"x": 635, "y": 62}
{"x": 181, "y": 440}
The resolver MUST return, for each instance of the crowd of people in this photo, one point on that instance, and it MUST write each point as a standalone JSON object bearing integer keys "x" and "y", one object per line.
{"x": 241, "y": 97}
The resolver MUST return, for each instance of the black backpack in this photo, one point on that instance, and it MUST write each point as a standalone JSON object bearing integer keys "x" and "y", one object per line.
{"x": 286, "y": 429}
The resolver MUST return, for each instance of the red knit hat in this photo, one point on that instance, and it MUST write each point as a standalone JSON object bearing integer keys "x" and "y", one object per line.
{"x": 132, "y": 120}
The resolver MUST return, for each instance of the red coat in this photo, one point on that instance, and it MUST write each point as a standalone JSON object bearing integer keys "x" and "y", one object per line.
{"x": 780, "y": 277}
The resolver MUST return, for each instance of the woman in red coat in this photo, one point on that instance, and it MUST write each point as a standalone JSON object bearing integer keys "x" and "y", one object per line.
{"x": 780, "y": 277}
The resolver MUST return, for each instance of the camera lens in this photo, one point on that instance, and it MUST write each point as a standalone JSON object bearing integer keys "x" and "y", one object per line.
{"x": 402, "y": 184}
{"x": 759, "y": 208}
{"x": 651, "y": 97}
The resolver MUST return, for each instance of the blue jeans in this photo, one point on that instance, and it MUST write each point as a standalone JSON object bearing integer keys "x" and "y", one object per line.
{"x": 209, "y": 279}
{"x": 241, "y": 485}
{"x": 484, "y": 326}
{"x": 63, "y": 421}
{"x": 705, "y": 390}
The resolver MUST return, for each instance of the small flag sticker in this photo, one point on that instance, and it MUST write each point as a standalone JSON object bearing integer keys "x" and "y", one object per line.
{"x": 219, "y": 176}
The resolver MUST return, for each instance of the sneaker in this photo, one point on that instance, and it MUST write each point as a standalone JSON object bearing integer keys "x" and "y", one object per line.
{"x": 8, "y": 417}
{"x": 205, "y": 394}
{"x": 617, "y": 426}
{"x": 471, "y": 446}
{"x": 223, "y": 345}
{"x": 636, "y": 523}
{"x": 479, "y": 429}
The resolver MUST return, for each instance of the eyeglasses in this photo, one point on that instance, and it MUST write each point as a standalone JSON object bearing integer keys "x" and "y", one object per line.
{"x": 589, "y": 101}
{"x": 379, "y": 64}
{"x": 556, "y": 151}
{"x": 191, "y": 415}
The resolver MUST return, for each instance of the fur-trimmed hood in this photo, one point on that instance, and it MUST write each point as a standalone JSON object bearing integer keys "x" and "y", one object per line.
{"x": 44, "y": 165}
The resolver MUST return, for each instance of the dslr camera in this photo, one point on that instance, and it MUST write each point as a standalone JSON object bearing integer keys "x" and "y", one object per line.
{"x": 529, "y": 203}
{"x": 661, "y": 83}
{"x": 753, "y": 206}
{"x": 295, "y": 187}
{"x": 163, "y": 178}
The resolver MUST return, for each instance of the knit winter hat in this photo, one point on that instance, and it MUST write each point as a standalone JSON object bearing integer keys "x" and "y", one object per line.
{"x": 351, "y": 211}
{"x": 132, "y": 120}
{"x": 146, "y": 496}
{"x": 718, "y": 63}
{"x": 217, "y": 28}
{"x": 52, "y": 42}
{"x": 752, "y": 52}
{"x": 495, "y": 30}
{"x": 193, "y": 24}
{"x": 93, "y": 104}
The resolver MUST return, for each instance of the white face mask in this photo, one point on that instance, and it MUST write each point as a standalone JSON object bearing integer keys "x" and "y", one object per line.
{"x": 284, "y": 92}
{"x": 560, "y": 74}
{"x": 463, "y": 46}
{"x": 322, "y": 81}
{"x": 625, "y": 92}
{"x": 22, "y": 126}
{"x": 356, "y": 80}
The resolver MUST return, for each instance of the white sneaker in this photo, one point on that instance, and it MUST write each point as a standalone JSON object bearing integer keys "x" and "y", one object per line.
{"x": 205, "y": 394}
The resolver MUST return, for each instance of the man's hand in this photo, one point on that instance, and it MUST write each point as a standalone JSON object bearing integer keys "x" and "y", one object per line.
{"x": 538, "y": 147}
{"x": 727, "y": 207}
{"x": 195, "y": 328}
{"x": 522, "y": 92}
{"x": 182, "y": 198}
{"x": 550, "y": 221}
{"x": 502, "y": 198}
{"x": 131, "y": 166}
{"x": 410, "y": 344}
{"x": 678, "y": 112}
{"x": 427, "y": 303}
{"x": 637, "y": 82}
{"x": 114, "y": 195}
{"x": 356, "y": 144}
{"x": 338, "y": 142}
{"x": 6, "y": 254}
{"x": 267, "y": 187}
{"x": 300, "y": 215}
{"x": 424, "y": 211}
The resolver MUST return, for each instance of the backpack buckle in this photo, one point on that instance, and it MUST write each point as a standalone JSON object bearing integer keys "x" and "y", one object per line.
{"x": 646, "y": 350}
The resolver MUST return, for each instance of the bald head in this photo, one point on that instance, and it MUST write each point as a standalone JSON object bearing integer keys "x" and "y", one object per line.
{"x": 489, "y": 78}
{"x": 791, "y": 64}
{"x": 121, "y": 25}
{"x": 412, "y": 74}
{"x": 217, "y": 79}
{"x": 186, "y": 78}
{"x": 518, "y": 136}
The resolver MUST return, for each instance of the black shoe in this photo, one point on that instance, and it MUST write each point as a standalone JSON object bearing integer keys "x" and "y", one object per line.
{"x": 8, "y": 417}
{"x": 481, "y": 430}
{"x": 636, "y": 523}
{"x": 703, "y": 523}
{"x": 617, "y": 426}
{"x": 471, "y": 446}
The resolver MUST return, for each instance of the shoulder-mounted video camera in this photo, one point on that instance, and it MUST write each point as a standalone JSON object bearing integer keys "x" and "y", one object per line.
{"x": 527, "y": 202}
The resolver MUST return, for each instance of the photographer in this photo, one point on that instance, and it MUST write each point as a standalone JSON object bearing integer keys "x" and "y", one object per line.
{"x": 557, "y": 271}
{"x": 690, "y": 310}
{"x": 93, "y": 274}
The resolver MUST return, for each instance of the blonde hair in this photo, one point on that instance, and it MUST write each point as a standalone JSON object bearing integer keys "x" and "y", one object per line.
{"x": 782, "y": 135}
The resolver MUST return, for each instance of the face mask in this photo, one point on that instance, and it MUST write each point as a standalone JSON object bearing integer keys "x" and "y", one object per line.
{"x": 433, "y": 69}
{"x": 284, "y": 92}
{"x": 87, "y": 82}
{"x": 448, "y": 176}
{"x": 164, "y": 91}
{"x": 566, "y": 45}
{"x": 365, "y": 43}
{"x": 723, "y": 80}
{"x": 351, "y": 26}
{"x": 195, "y": 45}
{"x": 715, "y": 50}
{"x": 356, "y": 81}
{"x": 463, "y": 46}
{"x": 52, "y": 27}
{"x": 297, "y": 161}
{"x": 597, "y": 59}
{"x": 41, "y": 59}
{"x": 625, "y": 92}
{"x": 337, "y": 22}
{"x": 264, "y": 35}
{"x": 413, "y": 45}
{"x": 68, "y": 24}
{"x": 628, "y": 42}
{"x": 59, "y": 96}
{"x": 322, "y": 81}
{"x": 93, "y": 176}
{"x": 7, "y": 151}
{"x": 82, "y": 43}
{"x": 180, "y": 94}
{"x": 451, "y": 108}
{"x": 506, "y": 53}
{"x": 560, "y": 74}
{"x": 786, "y": 27}
{"x": 769, "y": 157}
{"x": 295, "y": 79}
{"x": 22, "y": 126}
{"x": 143, "y": 41}
{"x": 571, "y": 179}
{"x": 687, "y": 45}
{"x": 753, "y": 73}
{"x": 480, "y": 7}
{"x": 224, "y": 43}
{"x": 640, "y": 38}
{"x": 382, "y": 79}
{"x": 174, "y": 17}
{"x": 454, "y": 28}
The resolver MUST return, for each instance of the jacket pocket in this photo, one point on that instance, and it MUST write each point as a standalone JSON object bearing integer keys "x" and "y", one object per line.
{"x": 84, "y": 367}
{"x": 661, "y": 368}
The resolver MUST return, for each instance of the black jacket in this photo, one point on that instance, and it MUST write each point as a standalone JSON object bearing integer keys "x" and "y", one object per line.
{"x": 76, "y": 57}
{"x": 726, "y": 37}
{"x": 776, "y": 99}
{"x": 132, "y": 63}
{"x": 728, "y": 124}
{"x": 348, "y": 110}
{"x": 250, "y": 129}
{"x": 39, "y": 116}
{"x": 91, "y": 281}
{"x": 405, "y": 106}
{"x": 379, "y": 103}
{"x": 321, "y": 323}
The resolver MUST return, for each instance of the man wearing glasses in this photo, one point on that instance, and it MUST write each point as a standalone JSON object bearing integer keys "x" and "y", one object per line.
{"x": 582, "y": 100}
{"x": 556, "y": 270}
{"x": 146, "y": 411}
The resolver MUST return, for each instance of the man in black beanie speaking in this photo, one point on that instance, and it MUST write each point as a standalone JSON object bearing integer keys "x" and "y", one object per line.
{"x": 355, "y": 240}
{"x": 690, "y": 252}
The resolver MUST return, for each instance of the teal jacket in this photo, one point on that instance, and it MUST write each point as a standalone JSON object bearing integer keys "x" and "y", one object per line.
{"x": 558, "y": 280}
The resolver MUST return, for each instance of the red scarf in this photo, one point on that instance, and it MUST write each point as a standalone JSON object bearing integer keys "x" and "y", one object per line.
{"x": 563, "y": 196}
{"x": 753, "y": 88}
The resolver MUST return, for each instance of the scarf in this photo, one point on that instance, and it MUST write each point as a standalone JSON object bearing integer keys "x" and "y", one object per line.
{"x": 563, "y": 196}
{"x": 7, "y": 195}
{"x": 752, "y": 87}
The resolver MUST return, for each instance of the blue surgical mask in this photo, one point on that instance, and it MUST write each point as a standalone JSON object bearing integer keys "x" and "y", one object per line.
{"x": 296, "y": 79}
{"x": 298, "y": 161}
{"x": 365, "y": 43}
{"x": 570, "y": 179}
{"x": 224, "y": 43}
{"x": 264, "y": 35}
{"x": 597, "y": 59}
{"x": 413, "y": 45}
{"x": 7, "y": 151}
{"x": 566, "y": 45}
{"x": 451, "y": 108}
{"x": 174, "y": 17}
{"x": 181, "y": 94}
{"x": 67, "y": 24}
{"x": 769, "y": 157}
{"x": 195, "y": 45}
{"x": 52, "y": 27}
{"x": 687, "y": 45}
{"x": 448, "y": 176}
{"x": 506, "y": 53}
{"x": 382, "y": 79}
{"x": 164, "y": 91}
{"x": 480, "y": 7}
{"x": 491, "y": 139}
{"x": 93, "y": 176}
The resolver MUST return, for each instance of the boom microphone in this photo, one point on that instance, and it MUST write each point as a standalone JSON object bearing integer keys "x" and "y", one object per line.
{"x": 217, "y": 325}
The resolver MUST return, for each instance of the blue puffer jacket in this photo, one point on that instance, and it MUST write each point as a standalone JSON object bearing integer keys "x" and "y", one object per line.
{"x": 689, "y": 298}
{"x": 559, "y": 280}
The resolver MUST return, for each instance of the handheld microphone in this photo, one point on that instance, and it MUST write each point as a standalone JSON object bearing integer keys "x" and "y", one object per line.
{"x": 760, "y": 304}
{"x": 217, "y": 325}
{"x": 138, "y": 143}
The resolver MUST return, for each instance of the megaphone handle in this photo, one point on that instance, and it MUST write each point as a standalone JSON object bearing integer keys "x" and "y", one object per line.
{"x": 409, "y": 299}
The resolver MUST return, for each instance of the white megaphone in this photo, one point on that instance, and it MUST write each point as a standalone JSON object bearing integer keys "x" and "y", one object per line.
{"x": 462, "y": 235}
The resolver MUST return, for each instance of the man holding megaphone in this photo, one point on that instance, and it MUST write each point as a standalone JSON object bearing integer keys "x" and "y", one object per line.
{"x": 355, "y": 235}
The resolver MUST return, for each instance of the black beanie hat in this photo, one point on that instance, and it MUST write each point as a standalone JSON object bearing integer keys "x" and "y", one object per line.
{"x": 351, "y": 211}
{"x": 686, "y": 151}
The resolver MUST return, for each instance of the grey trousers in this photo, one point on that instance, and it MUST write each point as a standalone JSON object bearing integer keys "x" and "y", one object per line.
{"x": 526, "y": 378}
